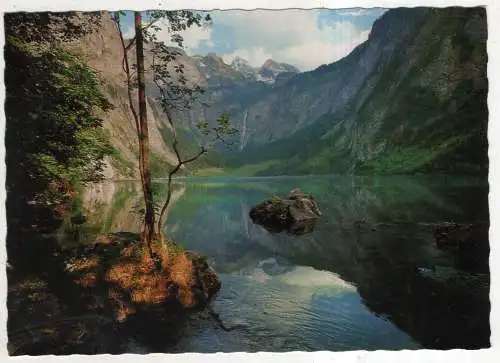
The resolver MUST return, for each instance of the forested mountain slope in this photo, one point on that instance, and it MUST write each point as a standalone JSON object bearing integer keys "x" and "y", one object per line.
{"x": 412, "y": 98}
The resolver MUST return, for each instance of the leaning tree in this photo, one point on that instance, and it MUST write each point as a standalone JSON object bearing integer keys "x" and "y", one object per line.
{"x": 176, "y": 93}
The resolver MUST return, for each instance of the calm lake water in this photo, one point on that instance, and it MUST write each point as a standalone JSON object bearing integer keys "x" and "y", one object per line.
{"x": 368, "y": 277}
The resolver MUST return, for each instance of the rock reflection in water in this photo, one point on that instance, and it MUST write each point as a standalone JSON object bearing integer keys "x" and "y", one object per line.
{"x": 294, "y": 228}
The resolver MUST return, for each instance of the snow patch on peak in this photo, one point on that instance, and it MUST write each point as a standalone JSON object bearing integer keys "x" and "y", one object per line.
{"x": 238, "y": 62}
{"x": 266, "y": 79}
{"x": 270, "y": 70}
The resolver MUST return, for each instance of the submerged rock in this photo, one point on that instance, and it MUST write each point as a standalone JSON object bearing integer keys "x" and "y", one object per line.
{"x": 449, "y": 235}
{"x": 469, "y": 242}
{"x": 295, "y": 213}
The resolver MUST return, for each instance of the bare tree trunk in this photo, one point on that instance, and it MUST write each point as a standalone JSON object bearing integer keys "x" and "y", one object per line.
{"x": 130, "y": 87}
{"x": 149, "y": 217}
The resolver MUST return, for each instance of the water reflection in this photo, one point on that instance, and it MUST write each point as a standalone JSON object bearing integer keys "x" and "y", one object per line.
{"x": 369, "y": 276}
{"x": 374, "y": 233}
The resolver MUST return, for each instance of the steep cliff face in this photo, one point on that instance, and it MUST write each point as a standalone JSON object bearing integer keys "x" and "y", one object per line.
{"x": 237, "y": 89}
{"x": 412, "y": 98}
{"x": 103, "y": 52}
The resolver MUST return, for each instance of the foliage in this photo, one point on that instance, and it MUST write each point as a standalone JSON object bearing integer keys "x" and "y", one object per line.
{"x": 49, "y": 27}
{"x": 53, "y": 133}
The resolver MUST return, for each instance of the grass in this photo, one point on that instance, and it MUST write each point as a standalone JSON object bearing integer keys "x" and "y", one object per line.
{"x": 130, "y": 278}
{"x": 276, "y": 200}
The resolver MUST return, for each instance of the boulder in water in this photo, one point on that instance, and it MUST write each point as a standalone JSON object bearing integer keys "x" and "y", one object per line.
{"x": 296, "y": 213}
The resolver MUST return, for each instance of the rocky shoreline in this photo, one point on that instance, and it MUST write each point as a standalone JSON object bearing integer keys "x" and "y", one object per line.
{"x": 116, "y": 293}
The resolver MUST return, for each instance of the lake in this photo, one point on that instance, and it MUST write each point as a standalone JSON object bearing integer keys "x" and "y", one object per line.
{"x": 368, "y": 277}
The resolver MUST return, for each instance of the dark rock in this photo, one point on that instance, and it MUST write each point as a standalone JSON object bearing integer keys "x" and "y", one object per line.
{"x": 469, "y": 242}
{"x": 449, "y": 235}
{"x": 173, "y": 291}
{"x": 295, "y": 213}
{"x": 208, "y": 280}
{"x": 303, "y": 227}
{"x": 205, "y": 282}
{"x": 203, "y": 286}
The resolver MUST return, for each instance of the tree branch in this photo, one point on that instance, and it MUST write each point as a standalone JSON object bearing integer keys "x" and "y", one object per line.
{"x": 169, "y": 184}
{"x": 175, "y": 146}
{"x": 190, "y": 160}
{"x": 132, "y": 41}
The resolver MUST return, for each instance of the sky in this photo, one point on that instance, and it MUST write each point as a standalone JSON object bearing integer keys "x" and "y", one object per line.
{"x": 303, "y": 38}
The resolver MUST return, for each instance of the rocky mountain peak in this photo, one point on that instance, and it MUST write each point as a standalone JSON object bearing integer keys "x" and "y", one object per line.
{"x": 213, "y": 63}
{"x": 270, "y": 70}
{"x": 239, "y": 63}
{"x": 273, "y": 65}
{"x": 213, "y": 57}
{"x": 242, "y": 66}
{"x": 270, "y": 63}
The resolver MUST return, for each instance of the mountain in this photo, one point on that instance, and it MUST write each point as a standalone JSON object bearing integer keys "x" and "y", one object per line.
{"x": 271, "y": 69}
{"x": 219, "y": 74}
{"x": 269, "y": 112}
{"x": 242, "y": 66}
{"x": 412, "y": 98}
{"x": 268, "y": 73}
{"x": 223, "y": 82}
{"x": 232, "y": 88}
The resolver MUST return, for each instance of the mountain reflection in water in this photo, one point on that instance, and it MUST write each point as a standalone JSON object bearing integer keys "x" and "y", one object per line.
{"x": 369, "y": 275}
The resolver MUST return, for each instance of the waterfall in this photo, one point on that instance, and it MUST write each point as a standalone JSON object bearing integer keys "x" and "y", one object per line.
{"x": 244, "y": 131}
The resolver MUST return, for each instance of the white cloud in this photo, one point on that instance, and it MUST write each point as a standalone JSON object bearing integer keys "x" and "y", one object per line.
{"x": 298, "y": 37}
{"x": 192, "y": 37}
{"x": 195, "y": 35}
{"x": 316, "y": 52}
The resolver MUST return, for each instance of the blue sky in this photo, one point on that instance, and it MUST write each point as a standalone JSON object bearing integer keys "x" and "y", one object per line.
{"x": 304, "y": 38}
